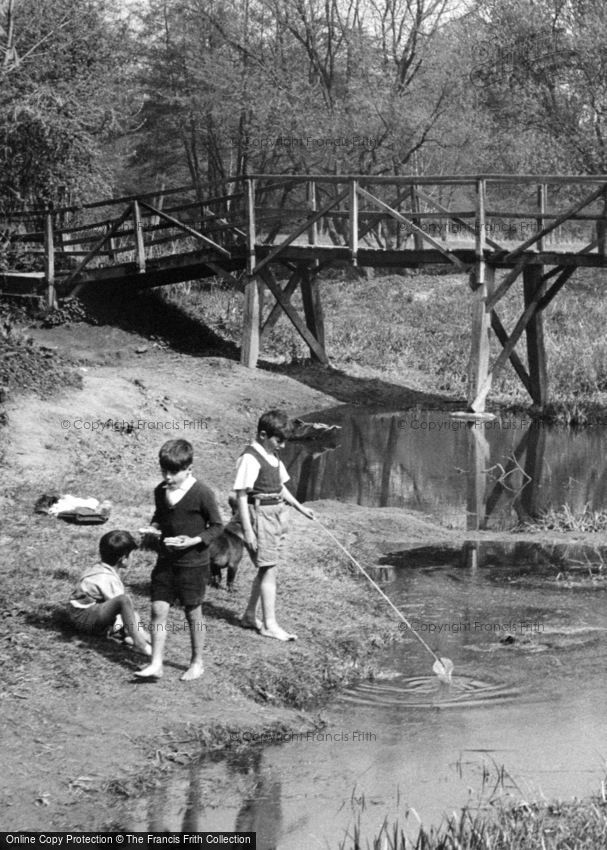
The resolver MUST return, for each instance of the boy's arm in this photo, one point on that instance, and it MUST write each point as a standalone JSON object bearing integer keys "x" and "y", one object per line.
{"x": 209, "y": 514}
{"x": 155, "y": 521}
{"x": 245, "y": 519}
{"x": 208, "y": 508}
{"x": 290, "y": 499}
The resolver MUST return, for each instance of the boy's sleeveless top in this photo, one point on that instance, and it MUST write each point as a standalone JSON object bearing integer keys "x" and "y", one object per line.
{"x": 268, "y": 479}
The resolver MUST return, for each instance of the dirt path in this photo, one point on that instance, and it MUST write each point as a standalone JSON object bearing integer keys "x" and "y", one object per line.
{"x": 77, "y": 730}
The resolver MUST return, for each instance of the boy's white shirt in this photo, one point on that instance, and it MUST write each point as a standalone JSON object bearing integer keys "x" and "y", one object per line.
{"x": 174, "y": 496}
{"x": 247, "y": 468}
{"x": 100, "y": 579}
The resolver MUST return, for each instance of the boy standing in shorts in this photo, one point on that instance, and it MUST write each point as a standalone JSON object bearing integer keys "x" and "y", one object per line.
{"x": 188, "y": 519}
{"x": 261, "y": 493}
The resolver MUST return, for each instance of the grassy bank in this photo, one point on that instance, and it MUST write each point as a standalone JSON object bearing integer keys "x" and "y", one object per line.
{"x": 78, "y": 722}
{"x": 80, "y": 730}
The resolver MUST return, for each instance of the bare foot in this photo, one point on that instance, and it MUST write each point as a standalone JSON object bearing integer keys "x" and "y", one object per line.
{"x": 194, "y": 671}
{"x": 251, "y": 623}
{"x": 152, "y": 671}
{"x": 277, "y": 633}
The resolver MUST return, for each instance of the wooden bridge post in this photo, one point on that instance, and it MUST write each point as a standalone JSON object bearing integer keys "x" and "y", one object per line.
{"x": 354, "y": 221}
{"x": 479, "y": 454}
{"x": 313, "y": 208}
{"x": 418, "y": 242}
{"x": 49, "y": 259}
{"x": 139, "y": 246}
{"x": 536, "y": 352}
{"x": 313, "y": 312}
{"x": 481, "y": 282}
{"x": 542, "y": 194}
{"x": 601, "y": 225}
{"x": 249, "y": 351}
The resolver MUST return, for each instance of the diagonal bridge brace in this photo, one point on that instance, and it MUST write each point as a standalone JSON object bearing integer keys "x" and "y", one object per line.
{"x": 99, "y": 245}
{"x": 284, "y": 301}
{"x": 414, "y": 228}
{"x": 539, "y": 301}
{"x": 297, "y": 232}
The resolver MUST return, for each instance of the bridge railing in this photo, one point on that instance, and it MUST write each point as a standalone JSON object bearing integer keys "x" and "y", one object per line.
{"x": 489, "y": 212}
{"x": 504, "y": 215}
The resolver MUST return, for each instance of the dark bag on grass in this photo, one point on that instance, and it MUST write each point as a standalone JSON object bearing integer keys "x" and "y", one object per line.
{"x": 83, "y": 516}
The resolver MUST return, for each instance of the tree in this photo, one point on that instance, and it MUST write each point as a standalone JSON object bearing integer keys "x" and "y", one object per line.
{"x": 292, "y": 86}
{"x": 542, "y": 78}
{"x": 62, "y": 96}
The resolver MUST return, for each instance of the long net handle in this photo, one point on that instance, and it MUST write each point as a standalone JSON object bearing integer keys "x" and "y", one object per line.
{"x": 380, "y": 591}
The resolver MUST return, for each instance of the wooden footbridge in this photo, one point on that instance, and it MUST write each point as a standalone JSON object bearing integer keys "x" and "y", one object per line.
{"x": 537, "y": 229}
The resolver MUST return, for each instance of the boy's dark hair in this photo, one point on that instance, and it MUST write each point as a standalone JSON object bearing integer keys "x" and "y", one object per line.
{"x": 114, "y": 545}
{"x": 176, "y": 455}
{"x": 275, "y": 423}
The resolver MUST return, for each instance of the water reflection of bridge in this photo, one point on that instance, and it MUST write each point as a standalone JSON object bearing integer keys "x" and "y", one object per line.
{"x": 467, "y": 475}
{"x": 268, "y": 227}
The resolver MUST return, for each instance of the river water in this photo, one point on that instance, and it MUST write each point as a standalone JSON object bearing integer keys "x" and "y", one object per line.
{"x": 486, "y": 474}
{"x": 525, "y": 626}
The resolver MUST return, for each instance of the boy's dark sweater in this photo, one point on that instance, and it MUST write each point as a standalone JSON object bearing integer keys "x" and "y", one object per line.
{"x": 195, "y": 515}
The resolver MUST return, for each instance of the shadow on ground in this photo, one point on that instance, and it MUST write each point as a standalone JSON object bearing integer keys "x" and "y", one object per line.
{"x": 150, "y": 315}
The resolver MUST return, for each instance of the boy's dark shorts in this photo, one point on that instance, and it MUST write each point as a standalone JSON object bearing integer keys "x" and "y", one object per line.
{"x": 186, "y": 585}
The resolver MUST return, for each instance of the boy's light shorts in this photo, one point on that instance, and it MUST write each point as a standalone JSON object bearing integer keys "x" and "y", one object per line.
{"x": 269, "y": 523}
{"x": 96, "y": 619}
{"x": 270, "y": 527}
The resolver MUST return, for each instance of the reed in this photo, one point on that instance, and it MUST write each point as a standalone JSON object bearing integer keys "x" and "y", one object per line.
{"x": 565, "y": 519}
{"x": 577, "y": 825}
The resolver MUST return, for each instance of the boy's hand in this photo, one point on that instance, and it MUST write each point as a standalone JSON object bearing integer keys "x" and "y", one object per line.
{"x": 181, "y": 542}
{"x": 150, "y": 529}
{"x": 307, "y": 512}
{"x": 250, "y": 540}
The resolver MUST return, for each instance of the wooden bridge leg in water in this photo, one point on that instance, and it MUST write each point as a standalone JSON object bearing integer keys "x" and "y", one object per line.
{"x": 536, "y": 352}
{"x": 478, "y": 364}
{"x": 479, "y": 455}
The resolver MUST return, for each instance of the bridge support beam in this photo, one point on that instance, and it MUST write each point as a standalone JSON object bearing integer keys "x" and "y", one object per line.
{"x": 313, "y": 312}
{"x": 249, "y": 351}
{"x": 479, "y": 381}
{"x": 536, "y": 352}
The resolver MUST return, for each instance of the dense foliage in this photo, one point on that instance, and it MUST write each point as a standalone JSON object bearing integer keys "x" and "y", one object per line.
{"x": 99, "y": 96}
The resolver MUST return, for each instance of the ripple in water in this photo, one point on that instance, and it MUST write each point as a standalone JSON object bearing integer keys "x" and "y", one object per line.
{"x": 428, "y": 692}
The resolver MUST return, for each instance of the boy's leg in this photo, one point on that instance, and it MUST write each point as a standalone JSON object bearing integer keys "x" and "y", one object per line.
{"x": 160, "y": 613}
{"x": 133, "y": 625}
{"x": 249, "y": 619}
{"x": 196, "y": 624}
{"x": 267, "y": 589}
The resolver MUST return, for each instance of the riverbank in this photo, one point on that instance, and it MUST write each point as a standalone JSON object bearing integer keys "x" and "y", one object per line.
{"x": 80, "y": 736}
{"x": 78, "y": 728}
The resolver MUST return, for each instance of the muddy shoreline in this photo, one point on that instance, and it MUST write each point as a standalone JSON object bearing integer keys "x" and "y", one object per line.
{"x": 79, "y": 737}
